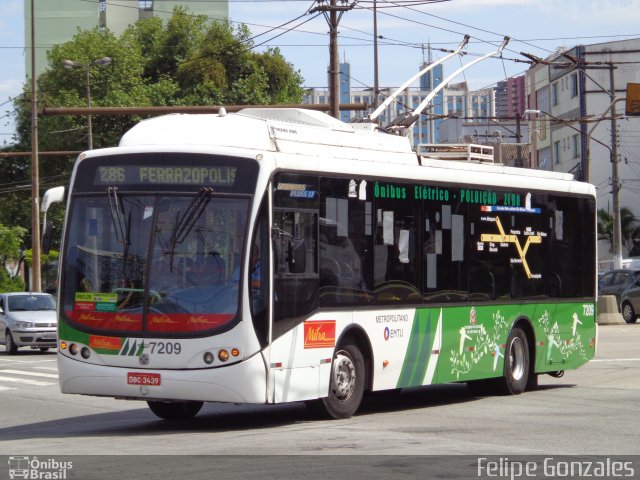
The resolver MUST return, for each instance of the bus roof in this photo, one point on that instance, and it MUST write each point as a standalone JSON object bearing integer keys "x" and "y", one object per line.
{"x": 296, "y": 132}
{"x": 287, "y": 130}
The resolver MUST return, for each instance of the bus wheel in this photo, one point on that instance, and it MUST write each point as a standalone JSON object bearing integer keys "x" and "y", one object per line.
{"x": 347, "y": 382}
{"x": 175, "y": 410}
{"x": 516, "y": 363}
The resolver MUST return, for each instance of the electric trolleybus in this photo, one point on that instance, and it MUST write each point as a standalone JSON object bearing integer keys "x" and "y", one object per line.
{"x": 280, "y": 255}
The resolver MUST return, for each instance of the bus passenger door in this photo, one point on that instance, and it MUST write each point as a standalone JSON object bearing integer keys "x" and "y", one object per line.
{"x": 295, "y": 371}
{"x": 295, "y": 260}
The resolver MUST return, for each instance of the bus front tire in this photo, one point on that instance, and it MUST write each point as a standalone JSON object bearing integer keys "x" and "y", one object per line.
{"x": 175, "y": 410}
{"x": 516, "y": 364}
{"x": 346, "y": 386}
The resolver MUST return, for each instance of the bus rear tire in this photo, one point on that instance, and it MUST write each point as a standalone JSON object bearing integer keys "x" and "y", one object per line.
{"x": 175, "y": 410}
{"x": 346, "y": 386}
{"x": 516, "y": 364}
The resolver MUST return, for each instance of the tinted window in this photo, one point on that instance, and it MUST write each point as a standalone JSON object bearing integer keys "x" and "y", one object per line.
{"x": 346, "y": 239}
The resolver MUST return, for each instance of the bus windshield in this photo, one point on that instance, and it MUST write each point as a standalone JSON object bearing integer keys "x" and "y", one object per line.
{"x": 153, "y": 263}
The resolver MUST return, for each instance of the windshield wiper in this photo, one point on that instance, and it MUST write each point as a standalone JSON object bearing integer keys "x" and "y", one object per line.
{"x": 117, "y": 216}
{"x": 192, "y": 213}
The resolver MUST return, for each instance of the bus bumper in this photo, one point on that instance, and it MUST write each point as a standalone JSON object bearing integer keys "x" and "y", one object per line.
{"x": 243, "y": 382}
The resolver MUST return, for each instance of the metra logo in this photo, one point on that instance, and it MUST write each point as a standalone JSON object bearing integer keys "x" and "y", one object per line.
{"x": 125, "y": 319}
{"x": 392, "y": 333}
{"x": 320, "y": 334}
{"x": 105, "y": 343}
{"x": 88, "y": 317}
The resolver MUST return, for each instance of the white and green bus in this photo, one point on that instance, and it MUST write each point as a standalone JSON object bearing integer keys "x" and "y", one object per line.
{"x": 280, "y": 255}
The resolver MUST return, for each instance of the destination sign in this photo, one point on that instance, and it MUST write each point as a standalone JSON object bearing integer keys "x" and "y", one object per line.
{"x": 218, "y": 176}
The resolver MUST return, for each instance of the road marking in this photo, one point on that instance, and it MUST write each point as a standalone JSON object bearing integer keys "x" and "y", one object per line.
{"x": 7, "y": 360}
{"x": 26, "y": 381}
{"x": 7, "y": 388}
{"x": 616, "y": 360}
{"x": 33, "y": 374}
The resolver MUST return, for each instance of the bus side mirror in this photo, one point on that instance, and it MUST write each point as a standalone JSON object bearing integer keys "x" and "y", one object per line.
{"x": 51, "y": 196}
{"x": 297, "y": 256}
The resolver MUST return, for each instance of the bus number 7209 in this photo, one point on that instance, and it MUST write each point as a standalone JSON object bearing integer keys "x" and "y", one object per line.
{"x": 165, "y": 348}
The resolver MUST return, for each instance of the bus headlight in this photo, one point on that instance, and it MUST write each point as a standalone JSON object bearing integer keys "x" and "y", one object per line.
{"x": 74, "y": 349}
{"x": 85, "y": 352}
{"x": 208, "y": 358}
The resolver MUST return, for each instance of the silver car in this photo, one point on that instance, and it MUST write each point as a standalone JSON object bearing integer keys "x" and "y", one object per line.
{"x": 27, "y": 320}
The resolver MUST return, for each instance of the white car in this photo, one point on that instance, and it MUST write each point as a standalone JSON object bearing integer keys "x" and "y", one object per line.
{"x": 28, "y": 320}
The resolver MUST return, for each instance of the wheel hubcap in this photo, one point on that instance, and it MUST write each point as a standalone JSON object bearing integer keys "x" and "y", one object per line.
{"x": 516, "y": 358}
{"x": 344, "y": 376}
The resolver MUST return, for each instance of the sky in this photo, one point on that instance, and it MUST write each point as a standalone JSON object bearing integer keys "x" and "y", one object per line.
{"x": 404, "y": 33}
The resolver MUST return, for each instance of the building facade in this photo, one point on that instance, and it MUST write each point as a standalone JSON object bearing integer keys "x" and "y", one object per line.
{"x": 511, "y": 97}
{"x": 56, "y": 21}
{"x": 577, "y": 93}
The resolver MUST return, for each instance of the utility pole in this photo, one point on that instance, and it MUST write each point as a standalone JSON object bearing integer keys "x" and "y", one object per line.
{"x": 376, "y": 86}
{"x": 615, "y": 180}
{"x": 518, "y": 141}
{"x": 35, "y": 176}
{"x": 334, "y": 62}
{"x": 332, "y": 14}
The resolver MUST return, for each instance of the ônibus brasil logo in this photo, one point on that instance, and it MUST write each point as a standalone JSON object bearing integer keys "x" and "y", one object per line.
{"x": 38, "y": 469}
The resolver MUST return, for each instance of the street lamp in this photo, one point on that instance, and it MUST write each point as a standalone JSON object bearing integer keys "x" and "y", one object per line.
{"x": 615, "y": 180}
{"x": 87, "y": 66}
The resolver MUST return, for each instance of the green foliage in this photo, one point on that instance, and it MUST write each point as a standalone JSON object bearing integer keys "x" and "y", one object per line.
{"x": 10, "y": 246}
{"x": 629, "y": 227}
{"x": 188, "y": 60}
{"x": 10, "y": 284}
{"x": 284, "y": 83}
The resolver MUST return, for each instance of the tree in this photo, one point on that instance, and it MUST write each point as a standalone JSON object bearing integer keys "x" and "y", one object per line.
{"x": 10, "y": 252}
{"x": 628, "y": 225}
{"x": 188, "y": 60}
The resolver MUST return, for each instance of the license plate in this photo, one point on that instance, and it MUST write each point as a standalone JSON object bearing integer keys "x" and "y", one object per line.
{"x": 139, "y": 378}
{"x": 48, "y": 336}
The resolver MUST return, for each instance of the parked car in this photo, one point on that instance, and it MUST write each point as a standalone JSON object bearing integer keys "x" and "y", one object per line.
{"x": 617, "y": 281}
{"x": 630, "y": 302}
{"x": 27, "y": 320}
